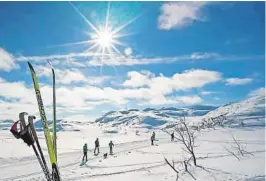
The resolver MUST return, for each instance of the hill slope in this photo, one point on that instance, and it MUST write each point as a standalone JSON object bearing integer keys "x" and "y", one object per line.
{"x": 253, "y": 106}
{"x": 151, "y": 118}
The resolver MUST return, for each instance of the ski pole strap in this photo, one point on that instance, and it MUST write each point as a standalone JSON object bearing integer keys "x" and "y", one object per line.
{"x": 14, "y": 130}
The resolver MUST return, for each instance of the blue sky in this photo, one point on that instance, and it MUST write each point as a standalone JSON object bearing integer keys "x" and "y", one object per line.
{"x": 171, "y": 54}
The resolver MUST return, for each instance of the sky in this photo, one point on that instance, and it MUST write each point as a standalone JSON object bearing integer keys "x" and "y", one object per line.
{"x": 120, "y": 55}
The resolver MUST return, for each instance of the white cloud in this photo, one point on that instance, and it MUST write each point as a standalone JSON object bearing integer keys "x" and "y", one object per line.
{"x": 143, "y": 87}
{"x": 11, "y": 110}
{"x": 138, "y": 79}
{"x": 180, "y": 14}
{"x": 194, "y": 78}
{"x": 7, "y": 61}
{"x": 206, "y": 92}
{"x": 238, "y": 81}
{"x": 189, "y": 99}
{"x": 205, "y": 55}
{"x": 258, "y": 92}
{"x": 43, "y": 70}
{"x": 88, "y": 59}
{"x": 176, "y": 100}
{"x": 154, "y": 89}
{"x": 158, "y": 100}
{"x": 18, "y": 97}
{"x": 180, "y": 81}
{"x": 68, "y": 99}
{"x": 56, "y": 57}
{"x": 90, "y": 96}
{"x": 68, "y": 76}
{"x": 161, "y": 85}
{"x": 138, "y": 60}
{"x": 13, "y": 90}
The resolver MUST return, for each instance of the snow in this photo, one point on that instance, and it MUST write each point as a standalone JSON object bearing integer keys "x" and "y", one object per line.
{"x": 250, "y": 112}
{"x": 253, "y": 106}
{"x": 151, "y": 118}
{"x": 134, "y": 157}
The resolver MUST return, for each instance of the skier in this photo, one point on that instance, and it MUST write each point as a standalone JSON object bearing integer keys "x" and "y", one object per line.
{"x": 172, "y": 136}
{"x": 111, "y": 144}
{"x": 153, "y": 134}
{"x": 152, "y": 139}
{"x": 97, "y": 145}
{"x": 85, "y": 150}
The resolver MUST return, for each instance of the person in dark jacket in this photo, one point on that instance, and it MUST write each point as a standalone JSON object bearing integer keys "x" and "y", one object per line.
{"x": 172, "y": 136}
{"x": 85, "y": 151}
{"x": 111, "y": 144}
{"x": 97, "y": 146}
{"x": 152, "y": 139}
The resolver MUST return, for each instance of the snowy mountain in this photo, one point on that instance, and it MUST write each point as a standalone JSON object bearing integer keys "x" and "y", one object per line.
{"x": 247, "y": 113}
{"x": 6, "y": 124}
{"x": 149, "y": 117}
{"x": 250, "y": 111}
{"x": 253, "y": 106}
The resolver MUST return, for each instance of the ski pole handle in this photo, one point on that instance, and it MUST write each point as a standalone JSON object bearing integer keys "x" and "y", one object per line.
{"x": 22, "y": 118}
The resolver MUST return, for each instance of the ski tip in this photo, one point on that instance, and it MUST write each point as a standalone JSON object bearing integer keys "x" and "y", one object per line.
{"x": 30, "y": 66}
{"x": 51, "y": 66}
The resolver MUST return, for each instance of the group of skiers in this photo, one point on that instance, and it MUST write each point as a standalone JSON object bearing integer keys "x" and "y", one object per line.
{"x": 111, "y": 145}
{"x": 153, "y": 137}
{"x": 96, "y": 148}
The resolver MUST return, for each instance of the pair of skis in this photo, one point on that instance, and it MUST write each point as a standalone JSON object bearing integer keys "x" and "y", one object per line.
{"x": 50, "y": 140}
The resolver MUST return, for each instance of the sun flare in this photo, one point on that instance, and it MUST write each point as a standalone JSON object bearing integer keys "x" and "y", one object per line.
{"x": 104, "y": 39}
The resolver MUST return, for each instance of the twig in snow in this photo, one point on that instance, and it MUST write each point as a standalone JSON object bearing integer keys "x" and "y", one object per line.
{"x": 172, "y": 166}
{"x": 237, "y": 150}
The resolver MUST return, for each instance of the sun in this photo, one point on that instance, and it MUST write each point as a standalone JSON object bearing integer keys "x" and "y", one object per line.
{"x": 104, "y": 39}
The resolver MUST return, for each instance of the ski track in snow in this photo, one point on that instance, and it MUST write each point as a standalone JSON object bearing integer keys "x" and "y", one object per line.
{"x": 115, "y": 173}
{"x": 13, "y": 169}
{"x": 121, "y": 148}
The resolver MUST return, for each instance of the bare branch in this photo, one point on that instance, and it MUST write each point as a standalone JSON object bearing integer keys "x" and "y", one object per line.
{"x": 232, "y": 153}
{"x": 171, "y": 165}
{"x": 186, "y": 163}
{"x": 237, "y": 150}
{"x": 191, "y": 175}
{"x": 187, "y": 138}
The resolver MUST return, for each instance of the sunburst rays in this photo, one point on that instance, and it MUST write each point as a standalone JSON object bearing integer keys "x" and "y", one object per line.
{"x": 104, "y": 40}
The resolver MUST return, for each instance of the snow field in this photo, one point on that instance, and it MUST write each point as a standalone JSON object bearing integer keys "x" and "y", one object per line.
{"x": 135, "y": 158}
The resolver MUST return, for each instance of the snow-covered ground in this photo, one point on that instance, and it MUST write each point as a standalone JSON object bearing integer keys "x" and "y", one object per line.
{"x": 135, "y": 158}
